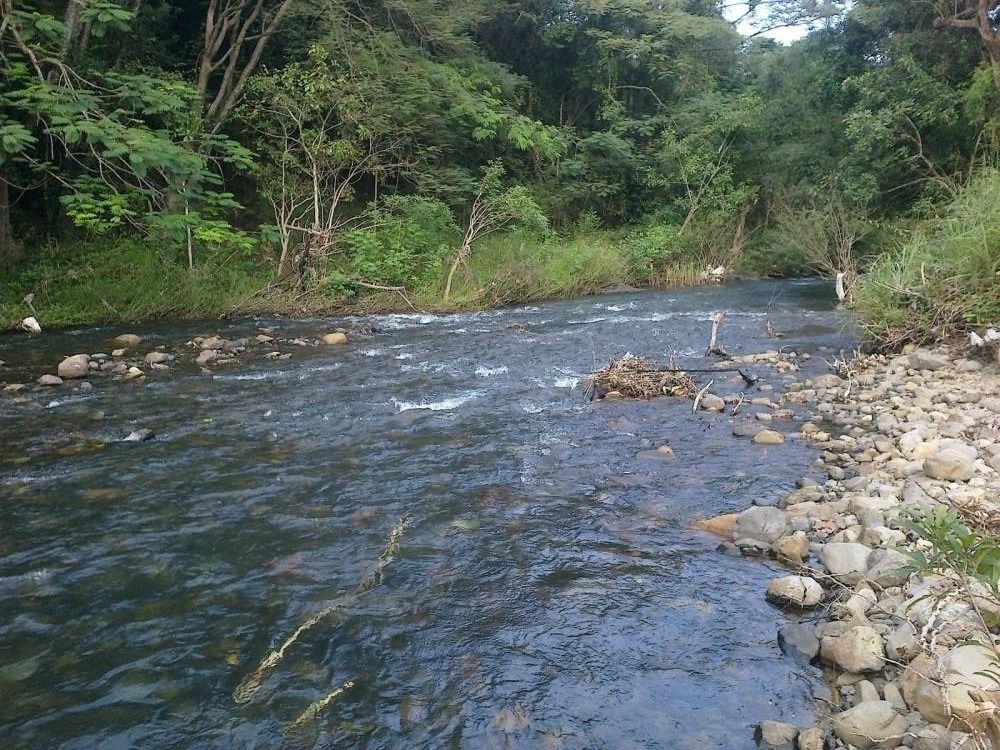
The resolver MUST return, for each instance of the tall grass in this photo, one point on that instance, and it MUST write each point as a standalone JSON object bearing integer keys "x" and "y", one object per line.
{"x": 943, "y": 278}
{"x": 124, "y": 281}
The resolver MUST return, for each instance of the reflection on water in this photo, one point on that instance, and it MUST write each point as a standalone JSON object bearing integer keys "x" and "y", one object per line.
{"x": 547, "y": 592}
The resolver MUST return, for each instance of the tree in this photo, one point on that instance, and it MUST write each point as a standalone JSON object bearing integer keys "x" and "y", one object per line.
{"x": 973, "y": 16}
{"x": 235, "y": 35}
{"x": 494, "y": 207}
{"x": 321, "y": 132}
{"x": 115, "y": 142}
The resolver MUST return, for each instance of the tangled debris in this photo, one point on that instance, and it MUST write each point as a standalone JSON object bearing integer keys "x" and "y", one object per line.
{"x": 638, "y": 377}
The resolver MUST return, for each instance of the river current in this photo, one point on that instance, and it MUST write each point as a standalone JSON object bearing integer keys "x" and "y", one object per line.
{"x": 546, "y": 591}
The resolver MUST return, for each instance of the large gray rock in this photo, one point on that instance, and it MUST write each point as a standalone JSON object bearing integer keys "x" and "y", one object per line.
{"x": 799, "y": 591}
{"x": 858, "y": 649}
{"x": 871, "y": 724}
{"x": 75, "y": 366}
{"x": 925, "y": 360}
{"x": 159, "y": 358}
{"x": 888, "y": 567}
{"x": 846, "y": 561}
{"x": 768, "y": 437}
{"x": 949, "y": 465}
{"x": 760, "y": 523}
{"x": 775, "y": 735}
{"x": 799, "y": 642}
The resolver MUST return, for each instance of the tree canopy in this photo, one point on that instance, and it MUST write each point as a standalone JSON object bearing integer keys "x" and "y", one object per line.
{"x": 242, "y": 124}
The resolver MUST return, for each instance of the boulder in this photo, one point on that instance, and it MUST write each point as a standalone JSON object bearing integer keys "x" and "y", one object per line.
{"x": 857, "y": 649}
{"x": 793, "y": 548}
{"x": 925, "y": 360}
{"x": 870, "y": 724}
{"x": 127, "y": 339}
{"x": 50, "y": 380}
{"x": 799, "y": 591}
{"x": 337, "y": 337}
{"x": 949, "y": 465}
{"x": 799, "y": 642}
{"x": 722, "y": 525}
{"x": 159, "y": 358}
{"x": 760, "y": 523}
{"x": 775, "y": 735}
{"x": 75, "y": 366}
{"x": 711, "y": 402}
{"x": 768, "y": 437}
{"x": 846, "y": 561}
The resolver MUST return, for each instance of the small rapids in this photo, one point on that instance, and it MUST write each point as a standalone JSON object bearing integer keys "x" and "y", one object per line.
{"x": 547, "y": 590}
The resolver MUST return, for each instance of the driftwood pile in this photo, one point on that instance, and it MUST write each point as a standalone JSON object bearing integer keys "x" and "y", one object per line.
{"x": 638, "y": 377}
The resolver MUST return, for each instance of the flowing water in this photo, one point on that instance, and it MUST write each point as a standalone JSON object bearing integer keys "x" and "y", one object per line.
{"x": 547, "y": 591}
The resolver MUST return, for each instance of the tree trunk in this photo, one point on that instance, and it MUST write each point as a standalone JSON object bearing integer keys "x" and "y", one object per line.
{"x": 10, "y": 253}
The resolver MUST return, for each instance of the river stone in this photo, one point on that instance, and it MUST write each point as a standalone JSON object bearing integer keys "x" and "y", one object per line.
{"x": 921, "y": 688}
{"x": 775, "y": 735}
{"x": 813, "y": 738}
{"x": 127, "y": 339}
{"x": 888, "y": 567}
{"x": 722, "y": 525}
{"x": 925, "y": 360}
{"x": 49, "y": 380}
{"x": 768, "y": 437}
{"x": 846, "y": 561}
{"x": 870, "y": 724}
{"x": 337, "y": 337}
{"x": 206, "y": 356}
{"x": 793, "y": 548}
{"x": 159, "y": 358}
{"x": 799, "y": 642}
{"x": 747, "y": 428}
{"x": 829, "y": 380}
{"x": 760, "y": 523}
{"x": 910, "y": 441}
{"x": 75, "y": 366}
{"x": 970, "y": 670}
{"x": 139, "y": 436}
{"x": 800, "y": 591}
{"x": 711, "y": 402}
{"x": 949, "y": 465}
{"x": 858, "y": 649}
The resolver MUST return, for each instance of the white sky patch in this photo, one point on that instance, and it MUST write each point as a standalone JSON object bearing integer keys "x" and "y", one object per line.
{"x": 751, "y": 24}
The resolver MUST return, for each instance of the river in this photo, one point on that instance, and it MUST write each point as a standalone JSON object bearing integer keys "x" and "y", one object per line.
{"x": 546, "y": 591}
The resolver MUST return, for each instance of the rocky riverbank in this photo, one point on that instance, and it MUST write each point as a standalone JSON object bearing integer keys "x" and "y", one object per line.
{"x": 910, "y": 653}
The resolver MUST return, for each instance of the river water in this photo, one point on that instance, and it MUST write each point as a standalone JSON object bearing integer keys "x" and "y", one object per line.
{"x": 546, "y": 590}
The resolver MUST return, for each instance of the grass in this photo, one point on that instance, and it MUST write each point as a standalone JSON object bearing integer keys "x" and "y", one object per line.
{"x": 943, "y": 278}
{"x": 124, "y": 280}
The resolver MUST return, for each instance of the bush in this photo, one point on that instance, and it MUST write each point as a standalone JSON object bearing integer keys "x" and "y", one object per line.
{"x": 404, "y": 242}
{"x": 943, "y": 278}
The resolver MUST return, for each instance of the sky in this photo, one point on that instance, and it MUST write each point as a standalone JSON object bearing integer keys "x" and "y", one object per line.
{"x": 785, "y": 35}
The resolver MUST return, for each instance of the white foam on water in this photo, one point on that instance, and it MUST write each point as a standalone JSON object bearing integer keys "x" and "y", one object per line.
{"x": 566, "y": 382}
{"x": 487, "y": 372}
{"x": 371, "y": 352}
{"x": 446, "y": 404}
{"x": 405, "y": 355}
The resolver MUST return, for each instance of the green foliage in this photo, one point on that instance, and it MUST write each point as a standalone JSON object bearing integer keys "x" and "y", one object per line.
{"x": 118, "y": 279}
{"x": 943, "y": 276}
{"x": 405, "y": 242}
{"x": 955, "y": 548}
{"x": 650, "y": 248}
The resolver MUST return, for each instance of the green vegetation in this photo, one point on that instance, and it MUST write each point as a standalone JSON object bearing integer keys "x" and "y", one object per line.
{"x": 225, "y": 156}
{"x": 943, "y": 277}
